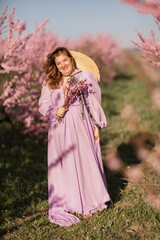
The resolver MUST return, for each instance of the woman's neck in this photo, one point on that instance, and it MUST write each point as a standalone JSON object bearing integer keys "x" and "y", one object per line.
{"x": 65, "y": 78}
{"x": 69, "y": 74}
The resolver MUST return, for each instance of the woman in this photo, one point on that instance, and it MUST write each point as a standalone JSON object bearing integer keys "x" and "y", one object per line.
{"x": 76, "y": 180}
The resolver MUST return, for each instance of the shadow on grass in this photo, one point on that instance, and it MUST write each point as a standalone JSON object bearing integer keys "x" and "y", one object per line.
{"x": 128, "y": 154}
{"x": 23, "y": 172}
{"x": 116, "y": 181}
{"x": 27, "y": 221}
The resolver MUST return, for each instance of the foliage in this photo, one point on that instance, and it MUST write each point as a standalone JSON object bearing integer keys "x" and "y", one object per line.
{"x": 150, "y": 48}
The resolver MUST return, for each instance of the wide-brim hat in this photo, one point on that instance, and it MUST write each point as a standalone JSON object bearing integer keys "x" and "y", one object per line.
{"x": 85, "y": 63}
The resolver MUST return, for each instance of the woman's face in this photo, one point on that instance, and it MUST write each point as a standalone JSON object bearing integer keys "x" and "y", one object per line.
{"x": 64, "y": 64}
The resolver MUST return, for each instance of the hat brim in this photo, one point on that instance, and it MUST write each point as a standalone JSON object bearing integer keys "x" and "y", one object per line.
{"x": 85, "y": 63}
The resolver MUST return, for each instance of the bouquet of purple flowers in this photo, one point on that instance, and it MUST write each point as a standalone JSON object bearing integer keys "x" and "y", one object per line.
{"x": 73, "y": 91}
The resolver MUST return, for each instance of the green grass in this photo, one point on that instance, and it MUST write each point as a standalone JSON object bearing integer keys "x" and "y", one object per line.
{"x": 23, "y": 178}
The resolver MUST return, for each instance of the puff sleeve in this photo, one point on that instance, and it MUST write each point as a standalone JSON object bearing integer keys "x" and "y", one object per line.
{"x": 94, "y": 100}
{"x": 46, "y": 106}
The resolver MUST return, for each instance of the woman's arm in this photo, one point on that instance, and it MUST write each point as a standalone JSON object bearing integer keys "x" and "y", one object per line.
{"x": 46, "y": 106}
{"x": 94, "y": 101}
{"x": 96, "y": 133}
{"x": 60, "y": 111}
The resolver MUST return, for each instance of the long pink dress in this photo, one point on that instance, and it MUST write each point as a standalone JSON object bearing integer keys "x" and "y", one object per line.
{"x": 76, "y": 180}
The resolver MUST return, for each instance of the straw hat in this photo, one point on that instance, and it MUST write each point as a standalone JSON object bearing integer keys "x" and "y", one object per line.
{"x": 85, "y": 63}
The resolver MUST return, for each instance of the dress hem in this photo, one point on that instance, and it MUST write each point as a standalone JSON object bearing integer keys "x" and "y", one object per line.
{"x": 99, "y": 208}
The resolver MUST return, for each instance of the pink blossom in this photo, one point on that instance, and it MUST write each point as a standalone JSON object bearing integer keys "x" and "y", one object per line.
{"x": 22, "y": 55}
{"x": 104, "y": 50}
{"x": 153, "y": 199}
{"x": 2, "y": 19}
{"x": 127, "y": 112}
{"x": 143, "y": 153}
{"x": 112, "y": 161}
{"x": 156, "y": 96}
{"x": 28, "y": 121}
{"x": 134, "y": 173}
{"x": 150, "y": 47}
{"x": 154, "y": 161}
{"x": 130, "y": 116}
{"x": 157, "y": 150}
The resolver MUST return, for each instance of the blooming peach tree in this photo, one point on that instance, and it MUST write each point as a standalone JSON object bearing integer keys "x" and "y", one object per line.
{"x": 21, "y": 58}
{"x": 104, "y": 50}
{"x": 150, "y": 47}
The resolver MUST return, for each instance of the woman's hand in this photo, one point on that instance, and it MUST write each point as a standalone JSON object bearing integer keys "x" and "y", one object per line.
{"x": 60, "y": 111}
{"x": 96, "y": 133}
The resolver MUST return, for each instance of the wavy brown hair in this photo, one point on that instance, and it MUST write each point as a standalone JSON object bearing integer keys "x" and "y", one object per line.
{"x": 53, "y": 76}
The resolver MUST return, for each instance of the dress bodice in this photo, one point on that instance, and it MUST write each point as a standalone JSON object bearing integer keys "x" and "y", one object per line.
{"x": 58, "y": 98}
{"x": 53, "y": 98}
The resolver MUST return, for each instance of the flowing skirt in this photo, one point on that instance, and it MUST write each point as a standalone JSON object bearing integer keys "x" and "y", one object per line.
{"x": 76, "y": 179}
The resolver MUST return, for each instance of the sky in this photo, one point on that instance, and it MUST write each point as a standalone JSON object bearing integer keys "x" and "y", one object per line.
{"x": 76, "y": 18}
